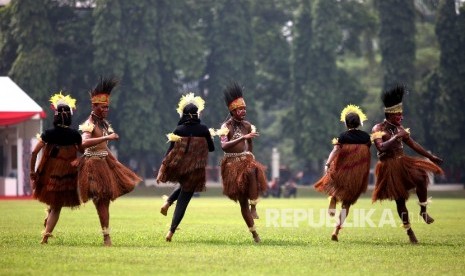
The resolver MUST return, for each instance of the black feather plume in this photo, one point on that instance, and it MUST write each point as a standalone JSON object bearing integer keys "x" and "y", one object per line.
{"x": 393, "y": 96}
{"x": 232, "y": 92}
{"x": 105, "y": 86}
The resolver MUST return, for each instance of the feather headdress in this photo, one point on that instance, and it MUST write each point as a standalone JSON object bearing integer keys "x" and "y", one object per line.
{"x": 59, "y": 99}
{"x": 353, "y": 109}
{"x": 392, "y": 99}
{"x": 101, "y": 92}
{"x": 190, "y": 99}
{"x": 233, "y": 96}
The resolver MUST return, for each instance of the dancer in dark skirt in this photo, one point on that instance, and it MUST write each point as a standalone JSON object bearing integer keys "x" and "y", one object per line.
{"x": 186, "y": 159}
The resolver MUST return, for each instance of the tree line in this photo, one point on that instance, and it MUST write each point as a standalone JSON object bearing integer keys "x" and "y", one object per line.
{"x": 300, "y": 62}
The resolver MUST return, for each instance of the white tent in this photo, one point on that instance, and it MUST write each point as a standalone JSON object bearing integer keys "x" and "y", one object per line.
{"x": 20, "y": 121}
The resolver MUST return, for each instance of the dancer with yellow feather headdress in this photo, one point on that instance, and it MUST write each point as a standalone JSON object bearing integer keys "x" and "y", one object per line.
{"x": 186, "y": 159}
{"x": 348, "y": 166}
{"x": 55, "y": 180}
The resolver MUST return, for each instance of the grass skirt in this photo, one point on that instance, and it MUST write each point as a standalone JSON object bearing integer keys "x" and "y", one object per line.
{"x": 185, "y": 164}
{"x": 397, "y": 176}
{"x": 105, "y": 178}
{"x": 57, "y": 179}
{"x": 243, "y": 176}
{"x": 347, "y": 178}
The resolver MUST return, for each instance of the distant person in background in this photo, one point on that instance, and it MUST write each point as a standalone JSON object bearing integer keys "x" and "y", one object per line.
{"x": 102, "y": 177}
{"x": 348, "y": 166}
{"x": 290, "y": 188}
{"x": 243, "y": 177}
{"x": 55, "y": 180}
{"x": 186, "y": 159}
{"x": 396, "y": 173}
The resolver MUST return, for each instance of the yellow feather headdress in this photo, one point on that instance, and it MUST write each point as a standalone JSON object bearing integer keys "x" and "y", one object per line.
{"x": 190, "y": 99}
{"x": 353, "y": 109}
{"x": 60, "y": 99}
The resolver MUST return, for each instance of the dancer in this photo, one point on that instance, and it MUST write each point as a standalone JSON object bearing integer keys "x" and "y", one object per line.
{"x": 396, "y": 173}
{"x": 348, "y": 166}
{"x": 186, "y": 159}
{"x": 55, "y": 180}
{"x": 243, "y": 177}
{"x": 102, "y": 177}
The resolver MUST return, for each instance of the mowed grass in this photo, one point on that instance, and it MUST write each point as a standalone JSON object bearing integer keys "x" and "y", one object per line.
{"x": 213, "y": 239}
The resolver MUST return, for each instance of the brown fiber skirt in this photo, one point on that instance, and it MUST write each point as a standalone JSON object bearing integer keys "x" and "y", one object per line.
{"x": 242, "y": 177}
{"x": 347, "y": 178}
{"x": 397, "y": 177}
{"x": 105, "y": 178}
{"x": 57, "y": 179}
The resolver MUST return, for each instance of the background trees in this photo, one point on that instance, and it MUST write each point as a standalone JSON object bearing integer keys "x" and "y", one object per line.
{"x": 300, "y": 62}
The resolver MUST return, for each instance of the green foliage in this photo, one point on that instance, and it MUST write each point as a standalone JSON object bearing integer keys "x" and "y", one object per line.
{"x": 8, "y": 45}
{"x": 300, "y": 61}
{"x": 397, "y": 41}
{"x": 449, "y": 121}
{"x": 321, "y": 88}
{"x": 35, "y": 67}
{"x": 230, "y": 41}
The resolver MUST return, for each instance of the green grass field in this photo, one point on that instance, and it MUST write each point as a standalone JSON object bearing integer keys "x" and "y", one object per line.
{"x": 213, "y": 240}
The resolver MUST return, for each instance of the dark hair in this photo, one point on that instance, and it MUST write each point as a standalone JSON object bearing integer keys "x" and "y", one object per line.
{"x": 352, "y": 120}
{"x": 62, "y": 116}
{"x": 190, "y": 115}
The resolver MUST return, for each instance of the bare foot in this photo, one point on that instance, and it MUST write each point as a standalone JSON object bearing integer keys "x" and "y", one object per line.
{"x": 169, "y": 236}
{"x": 106, "y": 240}
{"x": 426, "y": 217}
{"x": 45, "y": 237}
{"x": 164, "y": 208}
{"x": 256, "y": 237}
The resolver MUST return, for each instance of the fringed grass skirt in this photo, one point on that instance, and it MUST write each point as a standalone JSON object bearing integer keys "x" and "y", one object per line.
{"x": 102, "y": 177}
{"x": 347, "y": 178}
{"x": 185, "y": 164}
{"x": 57, "y": 179}
{"x": 242, "y": 176}
{"x": 396, "y": 177}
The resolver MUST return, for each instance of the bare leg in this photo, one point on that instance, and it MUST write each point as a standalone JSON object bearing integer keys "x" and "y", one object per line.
{"x": 403, "y": 214}
{"x": 253, "y": 188}
{"x": 247, "y": 216}
{"x": 332, "y": 206}
{"x": 103, "y": 211}
{"x": 422, "y": 195}
{"x": 51, "y": 222}
{"x": 47, "y": 212}
{"x": 342, "y": 217}
{"x": 253, "y": 211}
